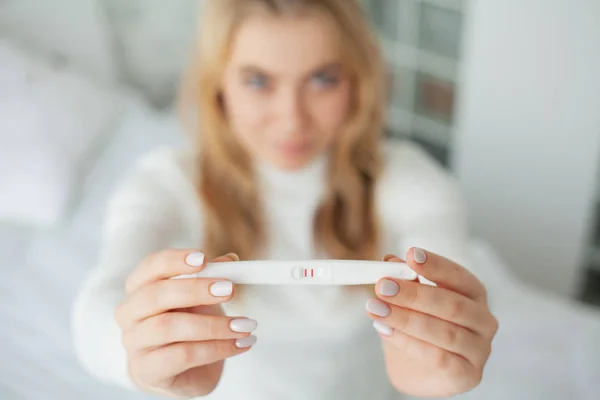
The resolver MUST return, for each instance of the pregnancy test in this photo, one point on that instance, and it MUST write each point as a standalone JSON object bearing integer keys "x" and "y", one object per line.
{"x": 308, "y": 272}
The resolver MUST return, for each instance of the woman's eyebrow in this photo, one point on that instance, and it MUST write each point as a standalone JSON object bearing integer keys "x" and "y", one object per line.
{"x": 334, "y": 66}
{"x": 252, "y": 69}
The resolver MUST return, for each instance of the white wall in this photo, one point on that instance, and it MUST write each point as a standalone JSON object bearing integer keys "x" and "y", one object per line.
{"x": 527, "y": 140}
{"x": 74, "y": 28}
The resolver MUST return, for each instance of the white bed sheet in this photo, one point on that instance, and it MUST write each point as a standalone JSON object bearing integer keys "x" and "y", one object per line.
{"x": 43, "y": 270}
{"x": 547, "y": 348}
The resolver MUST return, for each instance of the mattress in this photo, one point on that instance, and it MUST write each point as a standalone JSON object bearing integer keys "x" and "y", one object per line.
{"x": 547, "y": 347}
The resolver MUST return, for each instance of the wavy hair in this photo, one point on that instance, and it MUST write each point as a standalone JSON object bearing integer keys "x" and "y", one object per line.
{"x": 345, "y": 224}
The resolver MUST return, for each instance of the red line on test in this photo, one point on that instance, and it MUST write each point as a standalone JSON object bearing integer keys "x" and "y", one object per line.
{"x": 312, "y": 273}
{"x": 305, "y": 272}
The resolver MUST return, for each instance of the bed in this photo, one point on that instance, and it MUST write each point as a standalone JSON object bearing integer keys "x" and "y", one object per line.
{"x": 43, "y": 269}
{"x": 547, "y": 347}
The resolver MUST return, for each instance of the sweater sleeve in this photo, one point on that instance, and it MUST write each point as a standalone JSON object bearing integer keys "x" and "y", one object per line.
{"x": 142, "y": 217}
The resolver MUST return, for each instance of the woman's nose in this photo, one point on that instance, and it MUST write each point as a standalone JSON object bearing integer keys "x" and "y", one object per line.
{"x": 293, "y": 112}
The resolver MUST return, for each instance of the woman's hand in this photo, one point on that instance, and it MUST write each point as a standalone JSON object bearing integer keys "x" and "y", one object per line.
{"x": 436, "y": 340}
{"x": 174, "y": 331}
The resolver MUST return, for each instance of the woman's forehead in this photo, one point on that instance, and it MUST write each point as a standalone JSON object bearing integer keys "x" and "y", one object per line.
{"x": 292, "y": 46}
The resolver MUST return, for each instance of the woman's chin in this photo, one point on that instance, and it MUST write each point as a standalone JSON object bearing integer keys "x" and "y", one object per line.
{"x": 288, "y": 162}
{"x": 290, "y": 165}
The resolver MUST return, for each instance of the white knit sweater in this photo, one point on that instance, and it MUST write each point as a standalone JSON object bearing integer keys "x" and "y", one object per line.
{"x": 313, "y": 342}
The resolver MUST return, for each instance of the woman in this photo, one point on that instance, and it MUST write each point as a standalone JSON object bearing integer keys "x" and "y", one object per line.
{"x": 288, "y": 164}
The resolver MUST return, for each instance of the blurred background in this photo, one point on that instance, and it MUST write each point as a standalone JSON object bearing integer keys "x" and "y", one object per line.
{"x": 504, "y": 94}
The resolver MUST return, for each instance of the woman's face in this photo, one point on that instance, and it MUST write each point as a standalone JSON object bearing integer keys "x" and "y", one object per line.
{"x": 285, "y": 92}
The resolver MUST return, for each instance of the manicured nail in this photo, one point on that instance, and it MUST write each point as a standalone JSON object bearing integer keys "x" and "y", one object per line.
{"x": 245, "y": 342}
{"x": 195, "y": 259}
{"x": 221, "y": 289}
{"x": 382, "y": 328}
{"x": 243, "y": 325}
{"x": 419, "y": 255}
{"x": 377, "y": 307}
{"x": 388, "y": 288}
{"x": 233, "y": 256}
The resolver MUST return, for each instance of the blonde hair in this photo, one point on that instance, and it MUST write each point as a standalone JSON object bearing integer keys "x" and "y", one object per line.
{"x": 345, "y": 224}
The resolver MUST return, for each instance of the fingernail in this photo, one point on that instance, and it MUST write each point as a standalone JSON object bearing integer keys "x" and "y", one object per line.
{"x": 195, "y": 259}
{"x": 388, "y": 288}
{"x": 377, "y": 307}
{"x": 382, "y": 328}
{"x": 233, "y": 256}
{"x": 419, "y": 255}
{"x": 243, "y": 325}
{"x": 245, "y": 342}
{"x": 221, "y": 289}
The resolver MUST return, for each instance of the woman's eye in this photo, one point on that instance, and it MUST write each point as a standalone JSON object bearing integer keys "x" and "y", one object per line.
{"x": 257, "y": 81}
{"x": 324, "y": 79}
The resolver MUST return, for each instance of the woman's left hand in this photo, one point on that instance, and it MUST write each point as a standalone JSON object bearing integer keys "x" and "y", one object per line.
{"x": 436, "y": 340}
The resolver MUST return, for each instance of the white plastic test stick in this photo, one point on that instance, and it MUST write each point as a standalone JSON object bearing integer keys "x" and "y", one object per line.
{"x": 306, "y": 272}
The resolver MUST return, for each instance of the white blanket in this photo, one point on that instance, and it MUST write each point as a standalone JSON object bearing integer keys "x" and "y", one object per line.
{"x": 546, "y": 348}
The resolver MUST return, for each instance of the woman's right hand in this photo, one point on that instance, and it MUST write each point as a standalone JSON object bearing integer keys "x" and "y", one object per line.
{"x": 174, "y": 331}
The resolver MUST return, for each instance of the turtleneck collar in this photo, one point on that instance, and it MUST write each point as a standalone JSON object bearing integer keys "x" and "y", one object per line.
{"x": 309, "y": 179}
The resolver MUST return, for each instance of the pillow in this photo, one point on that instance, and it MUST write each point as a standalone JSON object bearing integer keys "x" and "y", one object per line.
{"x": 155, "y": 38}
{"x": 76, "y": 29}
{"x": 52, "y": 121}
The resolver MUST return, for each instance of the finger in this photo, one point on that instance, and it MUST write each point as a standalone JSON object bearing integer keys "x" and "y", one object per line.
{"x": 163, "y": 265}
{"x": 445, "y": 273}
{"x": 167, "y": 295}
{"x": 173, "y": 327}
{"x": 435, "y": 301}
{"x": 393, "y": 258}
{"x": 453, "y": 367}
{"x": 227, "y": 258}
{"x": 443, "y": 334}
{"x": 169, "y": 361}
{"x": 167, "y": 264}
